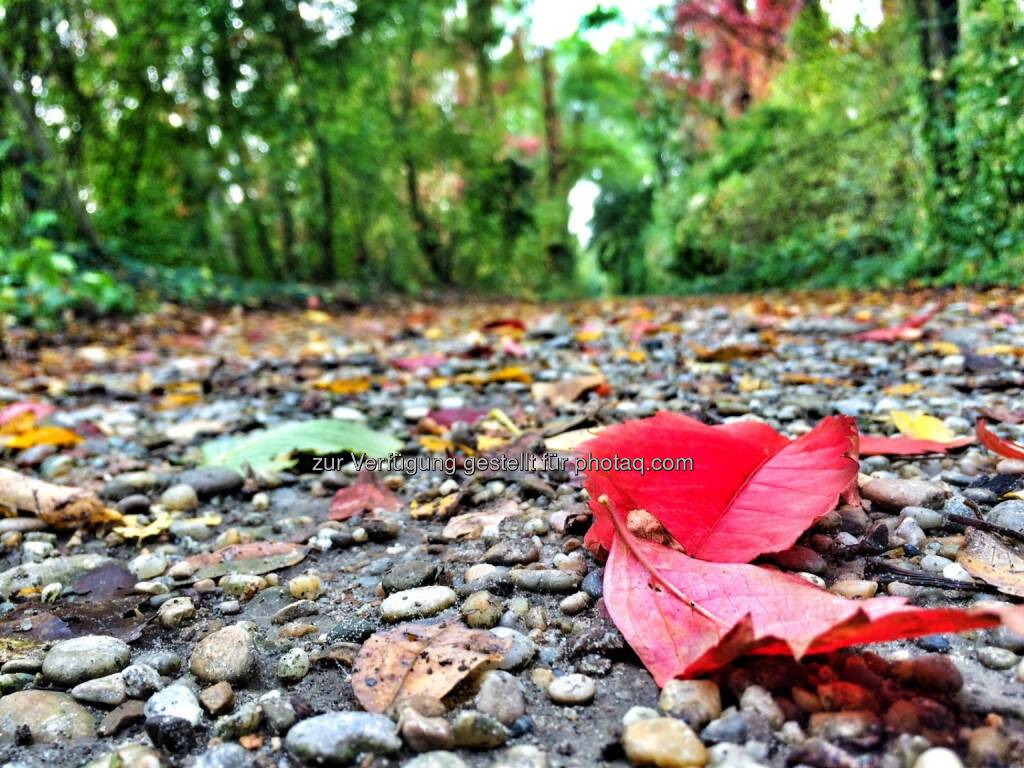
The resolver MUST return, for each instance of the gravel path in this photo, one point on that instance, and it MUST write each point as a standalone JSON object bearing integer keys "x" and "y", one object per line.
{"x": 124, "y": 652}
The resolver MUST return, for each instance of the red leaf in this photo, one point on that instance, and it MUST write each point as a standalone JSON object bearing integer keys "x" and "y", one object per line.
{"x": 686, "y": 617}
{"x": 908, "y": 330}
{"x": 445, "y": 417}
{"x": 366, "y": 494}
{"x": 997, "y": 444}
{"x": 751, "y": 491}
{"x": 875, "y": 445}
{"x": 421, "y": 361}
{"x": 12, "y": 411}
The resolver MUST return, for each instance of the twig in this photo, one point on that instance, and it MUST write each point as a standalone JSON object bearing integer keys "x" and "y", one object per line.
{"x": 887, "y": 573}
{"x": 971, "y": 522}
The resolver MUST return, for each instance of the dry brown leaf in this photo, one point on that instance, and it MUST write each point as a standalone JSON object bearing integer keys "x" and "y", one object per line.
{"x": 567, "y": 390}
{"x": 62, "y": 506}
{"x": 985, "y": 557}
{"x": 421, "y": 659}
{"x": 472, "y": 524}
{"x": 727, "y": 353}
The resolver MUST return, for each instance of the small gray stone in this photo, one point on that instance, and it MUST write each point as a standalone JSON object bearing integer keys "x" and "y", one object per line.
{"x": 140, "y": 681}
{"x": 177, "y": 701}
{"x": 997, "y": 658}
{"x": 335, "y": 739}
{"x": 212, "y": 481}
{"x": 858, "y": 726}
{"x": 293, "y": 666}
{"x": 148, "y": 565}
{"x": 413, "y": 603}
{"x": 481, "y": 610}
{"x": 522, "y": 651}
{"x": 1009, "y": 514}
{"x": 227, "y": 654}
{"x": 49, "y": 716}
{"x": 245, "y": 720}
{"x": 697, "y": 702}
{"x": 167, "y": 663}
{"x": 278, "y": 710}
{"x": 409, "y": 575}
{"x": 545, "y": 580}
{"x": 437, "y": 759}
{"x": 228, "y": 755}
{"x": 522, "y": 756}
{"x": 572, "y": 689}
{"x": 84, "y": 658}
{"x": 501, "y": 696}
{"x": 181, "y": 498}
{"x": 756, "y": 699}
{"x": 928, "y": 519}
{"x": 424, "y": 733}
{"x": 176, "y": 611}
{"x": 108, "y": 690}
{"x": 894, "y": 493}
{"x": 475, "y": 730}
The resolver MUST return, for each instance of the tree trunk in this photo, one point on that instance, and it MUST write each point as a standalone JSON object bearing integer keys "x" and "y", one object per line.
{"x": 47, "y": 155}
{"x": 552, "y": 124}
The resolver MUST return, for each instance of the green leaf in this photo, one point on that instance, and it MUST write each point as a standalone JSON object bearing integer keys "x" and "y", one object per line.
{"x": 273, "y": 448}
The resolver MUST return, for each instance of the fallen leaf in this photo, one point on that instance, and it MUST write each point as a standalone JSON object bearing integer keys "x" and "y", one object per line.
{"x": 921, "y": 426}
{"x": 47, "y": 435}
{"x": 997, "y": 444}
{"x": 36, "y": 409}
{"x": 416, "y": 363}
{"x": 565, "y": 391}
{"x": 903, "y": 390}
{"x": 987, "y": 558}
{"x": 364, "y": 495}
{"x": 728, "y": 353}
{"x": 442, "y": 506}
{"x": 421, "y": 660}
{"x": 742, "y": 475}
{"x": 273, "y": 448}
{"x": 472, "y": 524}
{"x": 685, "y": 617}
{"x": 346, "y": 386}
{"x": 879, "y": 445}
{"x": 567, "y": 442}
{"x": 509, "y": 373}
{"x": 909, "y": 330}
{"x": 61, "y": 506}
{"x": 255, "y": 558}
{"x": 155, "y": 527}
{"x": 446, "y": 417}
{"x": 1002, "y": 414}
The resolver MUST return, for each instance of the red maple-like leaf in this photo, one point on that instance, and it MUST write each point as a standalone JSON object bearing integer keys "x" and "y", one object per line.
{"x": 419, "y": 362}
{"x": 875, "y": 445}
{"x": 364, "y": 495}
{"x": 750, "y": 491}
{"x": 997, "y": 444}
{"x": 690, "y": 603}
{"x": 685, "y": 617}
{"x": 908, "y": 330}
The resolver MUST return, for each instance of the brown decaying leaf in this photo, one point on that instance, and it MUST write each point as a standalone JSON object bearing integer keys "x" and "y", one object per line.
{"x": 62, "y": 506}
{"x": 567, "y": 390}
{"x": 421, "y": 659}
{"x": 985, "y": 557}
{"x": 727, "y": 353}
{"x": 472, "y": 524}
{"x": 255, "y": 558}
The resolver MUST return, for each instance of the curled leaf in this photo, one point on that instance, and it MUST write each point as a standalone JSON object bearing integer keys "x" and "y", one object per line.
{"x": 61, "y": 506}
{"x": 997, "y": 444}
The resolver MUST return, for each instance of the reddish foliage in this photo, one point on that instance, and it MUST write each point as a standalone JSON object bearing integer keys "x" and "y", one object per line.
{"x": 875, "y": 445}
{"x": 997, "y": 444}
{"x": 751, "y": 492}
{"x": 364, "y": 495}
{"x": 908, "y": 330}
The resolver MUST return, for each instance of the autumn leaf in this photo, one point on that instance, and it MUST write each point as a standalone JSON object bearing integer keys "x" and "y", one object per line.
{"x": 743, "y": 474}
{"x": 997, "y": 444}
{"x": 257, "y": 557}
{"x": 37, "y": 410}
{"x": 684, "y": 617}
{"x": 879, "y": 445}
{"x": 419, "y": 362}
{"x": 62, "y": 506}
{"x": 921, "y": 426}
{"x": 420, "y": 660}
{"x": 909, "y": 330}
{"x": 364, "y": 495}
{"x": 566, "y": 391}
{"x": 985, "y": 557}
{"x": 46, "y": 435}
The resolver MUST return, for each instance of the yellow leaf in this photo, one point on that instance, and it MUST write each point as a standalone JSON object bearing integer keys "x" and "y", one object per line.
{"x": 945, "y": 348}
{"x": 1001, "y": 349}
{"x": 488, "y": 443}
{"x": 23, "y": 422}
{"x": 634, "y": 355}
{"x": 907, "y": 388}
{"x": 44, "y": 436}
{"x": 440, "y": 507}
{"x": 346, "y": 386}
{"x": 436, "y": 382}
{"x": 569, "y": 441}
{"x": 921, "y": 426}
{"x": 436, "y": 444}
{"x": 316, "y": 316}
{"x": 509, "y": 373}
{"x": 585, "y": 337}
{"x": 749, "y": 384}
{"x": 135, "y": 531}
{"x": 178, "y": 400}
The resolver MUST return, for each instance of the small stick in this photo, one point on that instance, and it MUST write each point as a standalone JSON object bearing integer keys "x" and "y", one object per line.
{"x": 971, "y": 522}
{"x": 888, "y": 573}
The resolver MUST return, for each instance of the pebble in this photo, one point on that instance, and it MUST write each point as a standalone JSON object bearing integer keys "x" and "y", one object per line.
{"x": 512, "y": 552}
{"x": 212, "y": 481}
{"x": 545, "y": 580}
{"x": 593, "y": 583}
{"x": 696, "y": 702}
{"x": 756, "y": 699}
{"x": 218, "y": 698}
{"x": 731, "y": 756}
{"x": 148, "y": 566}
{"x": 896, "y": 494}
{"x": 174, "y": 701}
{"x": 293, "y": 665}
{"x": 166, "y": 663}
{"x": 423, "y": 733}
{"x": 476, "y": 730}
{"x": 179, "y": 498}
{"x": 927, "y": 519}
{"x": 48, "y": 715}
{"x": 225, "y": 756}
{"x": 120, "y": 717}
{"x": 574, "y": 603}
{"x": 481, "y": 610}
{"x": 1009, "y": 514}
{"x": 71, "y": 662}
{"x": 278, "y": 710}
{"x": 227, "y": 654}
{"x": 934, "y": 673}
{"x": 522, "y": 756}
{"x": 171, "y": 734}
{"x": 997, "y": 658}
{"x": 572, "y": 689}
{"x": 308, "y": 586}
{"x": 663, "y": 742}
{"x": 437, "y": 759}
{"x": 108, "y": 690}
{"x": 859, "y": 726}
{"x": 246, "y": 719}
{"x": 501, "y": 696}
{"x": 857, "y": 589}
{"x": 417, "y": 602}
{"x": 522, "y": 651}
{"x": 336, "y": 738}
{"x": 176, "y": 611}
{"x": 938, "y": 757}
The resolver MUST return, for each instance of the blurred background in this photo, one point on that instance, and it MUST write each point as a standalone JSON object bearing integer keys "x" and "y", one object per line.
{"x": 254, "y": 150}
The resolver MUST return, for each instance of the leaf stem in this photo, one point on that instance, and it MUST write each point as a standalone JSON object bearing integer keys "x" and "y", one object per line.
{"x": 627, "y": 539}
